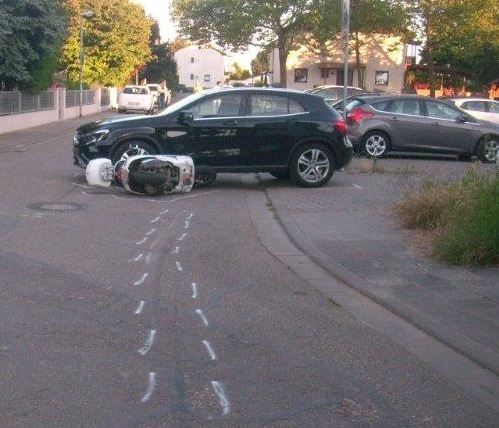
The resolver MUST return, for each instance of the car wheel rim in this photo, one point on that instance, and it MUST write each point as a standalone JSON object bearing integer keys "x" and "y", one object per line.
{"x": 491, "y": 150}
{"x": 313, "y": 165}
{"x": 133, "y": 150}
{"x": 375, "y": 145}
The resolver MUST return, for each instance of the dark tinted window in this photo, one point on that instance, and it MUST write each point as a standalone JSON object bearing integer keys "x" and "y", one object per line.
{"x": 273, "y": 105}
{"x": 410, "y": 107}
{"x": 224, "y": 105}
{"x": 494, "y": 107}
{"x": 474, "y": 106}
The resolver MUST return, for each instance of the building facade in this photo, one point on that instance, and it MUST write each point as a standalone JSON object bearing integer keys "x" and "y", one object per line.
{"x": 382, "y": 66}
{"x": 199, "y": 64}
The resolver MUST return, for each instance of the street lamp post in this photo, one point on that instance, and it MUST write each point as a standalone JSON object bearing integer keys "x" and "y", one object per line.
{"x": 86, "y": 14}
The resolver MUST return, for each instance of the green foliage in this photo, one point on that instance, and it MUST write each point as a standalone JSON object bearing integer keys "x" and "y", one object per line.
{"x": 162, "y": 67}
{"x": 116, "y": 42}
{"x": 30, "y": 35}
{"x": 235, "y": 24}
{"x": 464, "y": 217}
{"x": 239, "y": 73}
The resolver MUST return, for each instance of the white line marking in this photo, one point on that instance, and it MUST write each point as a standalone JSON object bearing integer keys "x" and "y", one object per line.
{"x": 182, "y": 237}
{"x": 149, "y": 342}
{"x": 141, "y": 279}
{"x": 202, "y": 316}
{"x": 209, "y": 349}
{"x": 150, "y": 232}
{"x": 194, "y": 290}
{"x": 141, "y": 241}
{"x": 357, "y": 186}
{"x": 140, "y": 308}
{"x": 164, "y": 212}
{"x": 136, "y": 259}
{"x": 81, "y": 185}
{"x": 190, "y": 216}
{"x": 155, "y": 220}
{"x": 224, "y": 402}
{"x": 150, "y": 387}
{"x": 179, "y": 266}
{"x": 176, "y": 250}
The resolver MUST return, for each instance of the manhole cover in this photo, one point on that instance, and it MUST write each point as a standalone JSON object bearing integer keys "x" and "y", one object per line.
{"x": 55, "y": 206}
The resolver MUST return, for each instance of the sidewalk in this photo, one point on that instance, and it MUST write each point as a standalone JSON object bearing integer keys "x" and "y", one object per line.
{"x": 348, "y": 229}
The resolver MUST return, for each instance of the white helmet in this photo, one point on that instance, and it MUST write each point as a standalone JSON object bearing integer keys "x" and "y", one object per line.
{"x": 100, "y": 172}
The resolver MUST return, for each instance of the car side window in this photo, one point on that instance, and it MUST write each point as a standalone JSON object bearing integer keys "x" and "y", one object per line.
{"x": 474, "y": 106}
{"x": 224, "y": 105}
{"x": 441, "y": 111}
{"x": 494, "y": 107}
{"x": 410, "y": 107}
{"x": 273, "y": 105}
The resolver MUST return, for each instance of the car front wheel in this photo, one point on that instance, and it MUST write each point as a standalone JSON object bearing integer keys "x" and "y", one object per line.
{"x": 488, "y": 149}
{"x": 375, "y": 144}
{"x": 132, "y": 148}
{"x": 312, "y": 165}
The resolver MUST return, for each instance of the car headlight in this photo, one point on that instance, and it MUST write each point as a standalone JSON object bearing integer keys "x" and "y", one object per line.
{"x": 93, "y": 137}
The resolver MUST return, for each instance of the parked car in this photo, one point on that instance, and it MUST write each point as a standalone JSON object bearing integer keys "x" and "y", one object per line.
{"x": 154, "y": 88}
{"x": 288, "y": 133}
{"x": 381, "y": 124}
{"x": 332, "y": 93}
{"x": 136, "y": 98}
{"x": 481, "y": 108}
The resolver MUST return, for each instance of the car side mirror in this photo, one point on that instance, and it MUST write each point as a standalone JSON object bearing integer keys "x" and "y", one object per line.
{"x": 462, "y": 118}
{"x": 185, "y": 117}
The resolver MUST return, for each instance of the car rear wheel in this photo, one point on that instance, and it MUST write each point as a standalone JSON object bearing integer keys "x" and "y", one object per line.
{"x": 312, "y": 165}
{"x": 488, "y": 149}
{"x": 132, "y": 148}
{"x": 375, "y": 144}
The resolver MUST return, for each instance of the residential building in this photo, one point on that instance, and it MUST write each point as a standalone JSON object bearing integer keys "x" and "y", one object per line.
{"x": 199, "y": 64}
{"x": 382, "y": 66}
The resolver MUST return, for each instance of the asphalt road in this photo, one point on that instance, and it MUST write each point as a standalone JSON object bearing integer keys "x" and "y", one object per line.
{"x": 126, "y": 311}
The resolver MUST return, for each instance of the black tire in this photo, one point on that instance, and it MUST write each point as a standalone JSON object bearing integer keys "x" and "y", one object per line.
{"x": 488, "y": 149}
{"x": 312, "y": 165}
{"x": 375, "y": 144}
{"x": 130, "y": 148}
{"x": 204, "y": 176}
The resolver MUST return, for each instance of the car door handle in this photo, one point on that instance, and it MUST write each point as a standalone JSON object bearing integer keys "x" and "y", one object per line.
{"x": 230, "y": 123}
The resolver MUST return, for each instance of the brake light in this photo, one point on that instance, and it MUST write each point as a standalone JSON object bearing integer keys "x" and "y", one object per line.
{"x": 358, "y": 114}
{"x": 341, "y": 126}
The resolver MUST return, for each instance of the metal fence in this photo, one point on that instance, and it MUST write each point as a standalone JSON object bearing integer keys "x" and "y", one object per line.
{"x": 14, "y": 102}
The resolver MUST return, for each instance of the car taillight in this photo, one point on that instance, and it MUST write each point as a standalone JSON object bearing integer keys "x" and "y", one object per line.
{"x": 341, "y": 126}
{"x": 357, "y": 115}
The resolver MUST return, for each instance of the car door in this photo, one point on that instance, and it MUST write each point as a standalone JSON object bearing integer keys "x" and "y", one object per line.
{"x": 271, "y": 125}
{"x": 406, "y": 123}
{"x": 212, "y": 137}
{"x": 447, "y": 131}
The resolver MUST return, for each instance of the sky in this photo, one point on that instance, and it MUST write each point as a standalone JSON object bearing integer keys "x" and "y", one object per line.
{"x": 160, "y": 11}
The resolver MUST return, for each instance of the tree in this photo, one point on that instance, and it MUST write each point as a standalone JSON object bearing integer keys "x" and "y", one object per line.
{"x": 260, "y": 64}
{"x": 116, "y": 41}
{"x": 31, "y": 32}
{"x": 468, "y": 39}
{"x": 236, "y": 24}
{"x": 163, "y": 65}
{"x": 239, "y": 73}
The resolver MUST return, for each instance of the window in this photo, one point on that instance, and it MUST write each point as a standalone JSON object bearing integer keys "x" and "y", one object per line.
{"x": 474, "y": 106}
{"x": 410, "y": 107}
{"x": 441, "y": 111}
{"x": 192, "y": 60}
{"x": 301, "y": 75}
{"x": 273, "y": 105}
{"x": 381, "y": 78}
{"x": 192, "y": 76}
{"x": 494, "y": 107}
{"x": 207, "y": 78}
{"x": 226, "y": 105}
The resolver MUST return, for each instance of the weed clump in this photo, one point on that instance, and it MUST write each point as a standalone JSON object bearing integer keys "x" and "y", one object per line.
{"x": 463, "y": 219}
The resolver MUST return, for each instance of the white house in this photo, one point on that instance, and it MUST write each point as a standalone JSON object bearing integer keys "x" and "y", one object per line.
{"x": 382, "y": 65}
{"x": 199, "y": 64}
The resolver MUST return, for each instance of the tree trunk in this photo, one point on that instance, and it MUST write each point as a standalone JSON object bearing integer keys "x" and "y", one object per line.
{"x": 283, "y": 59}
{"x": 360, "y": 80}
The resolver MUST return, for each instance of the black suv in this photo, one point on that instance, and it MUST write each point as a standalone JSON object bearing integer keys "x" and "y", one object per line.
{"x": 287, "y": 133}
